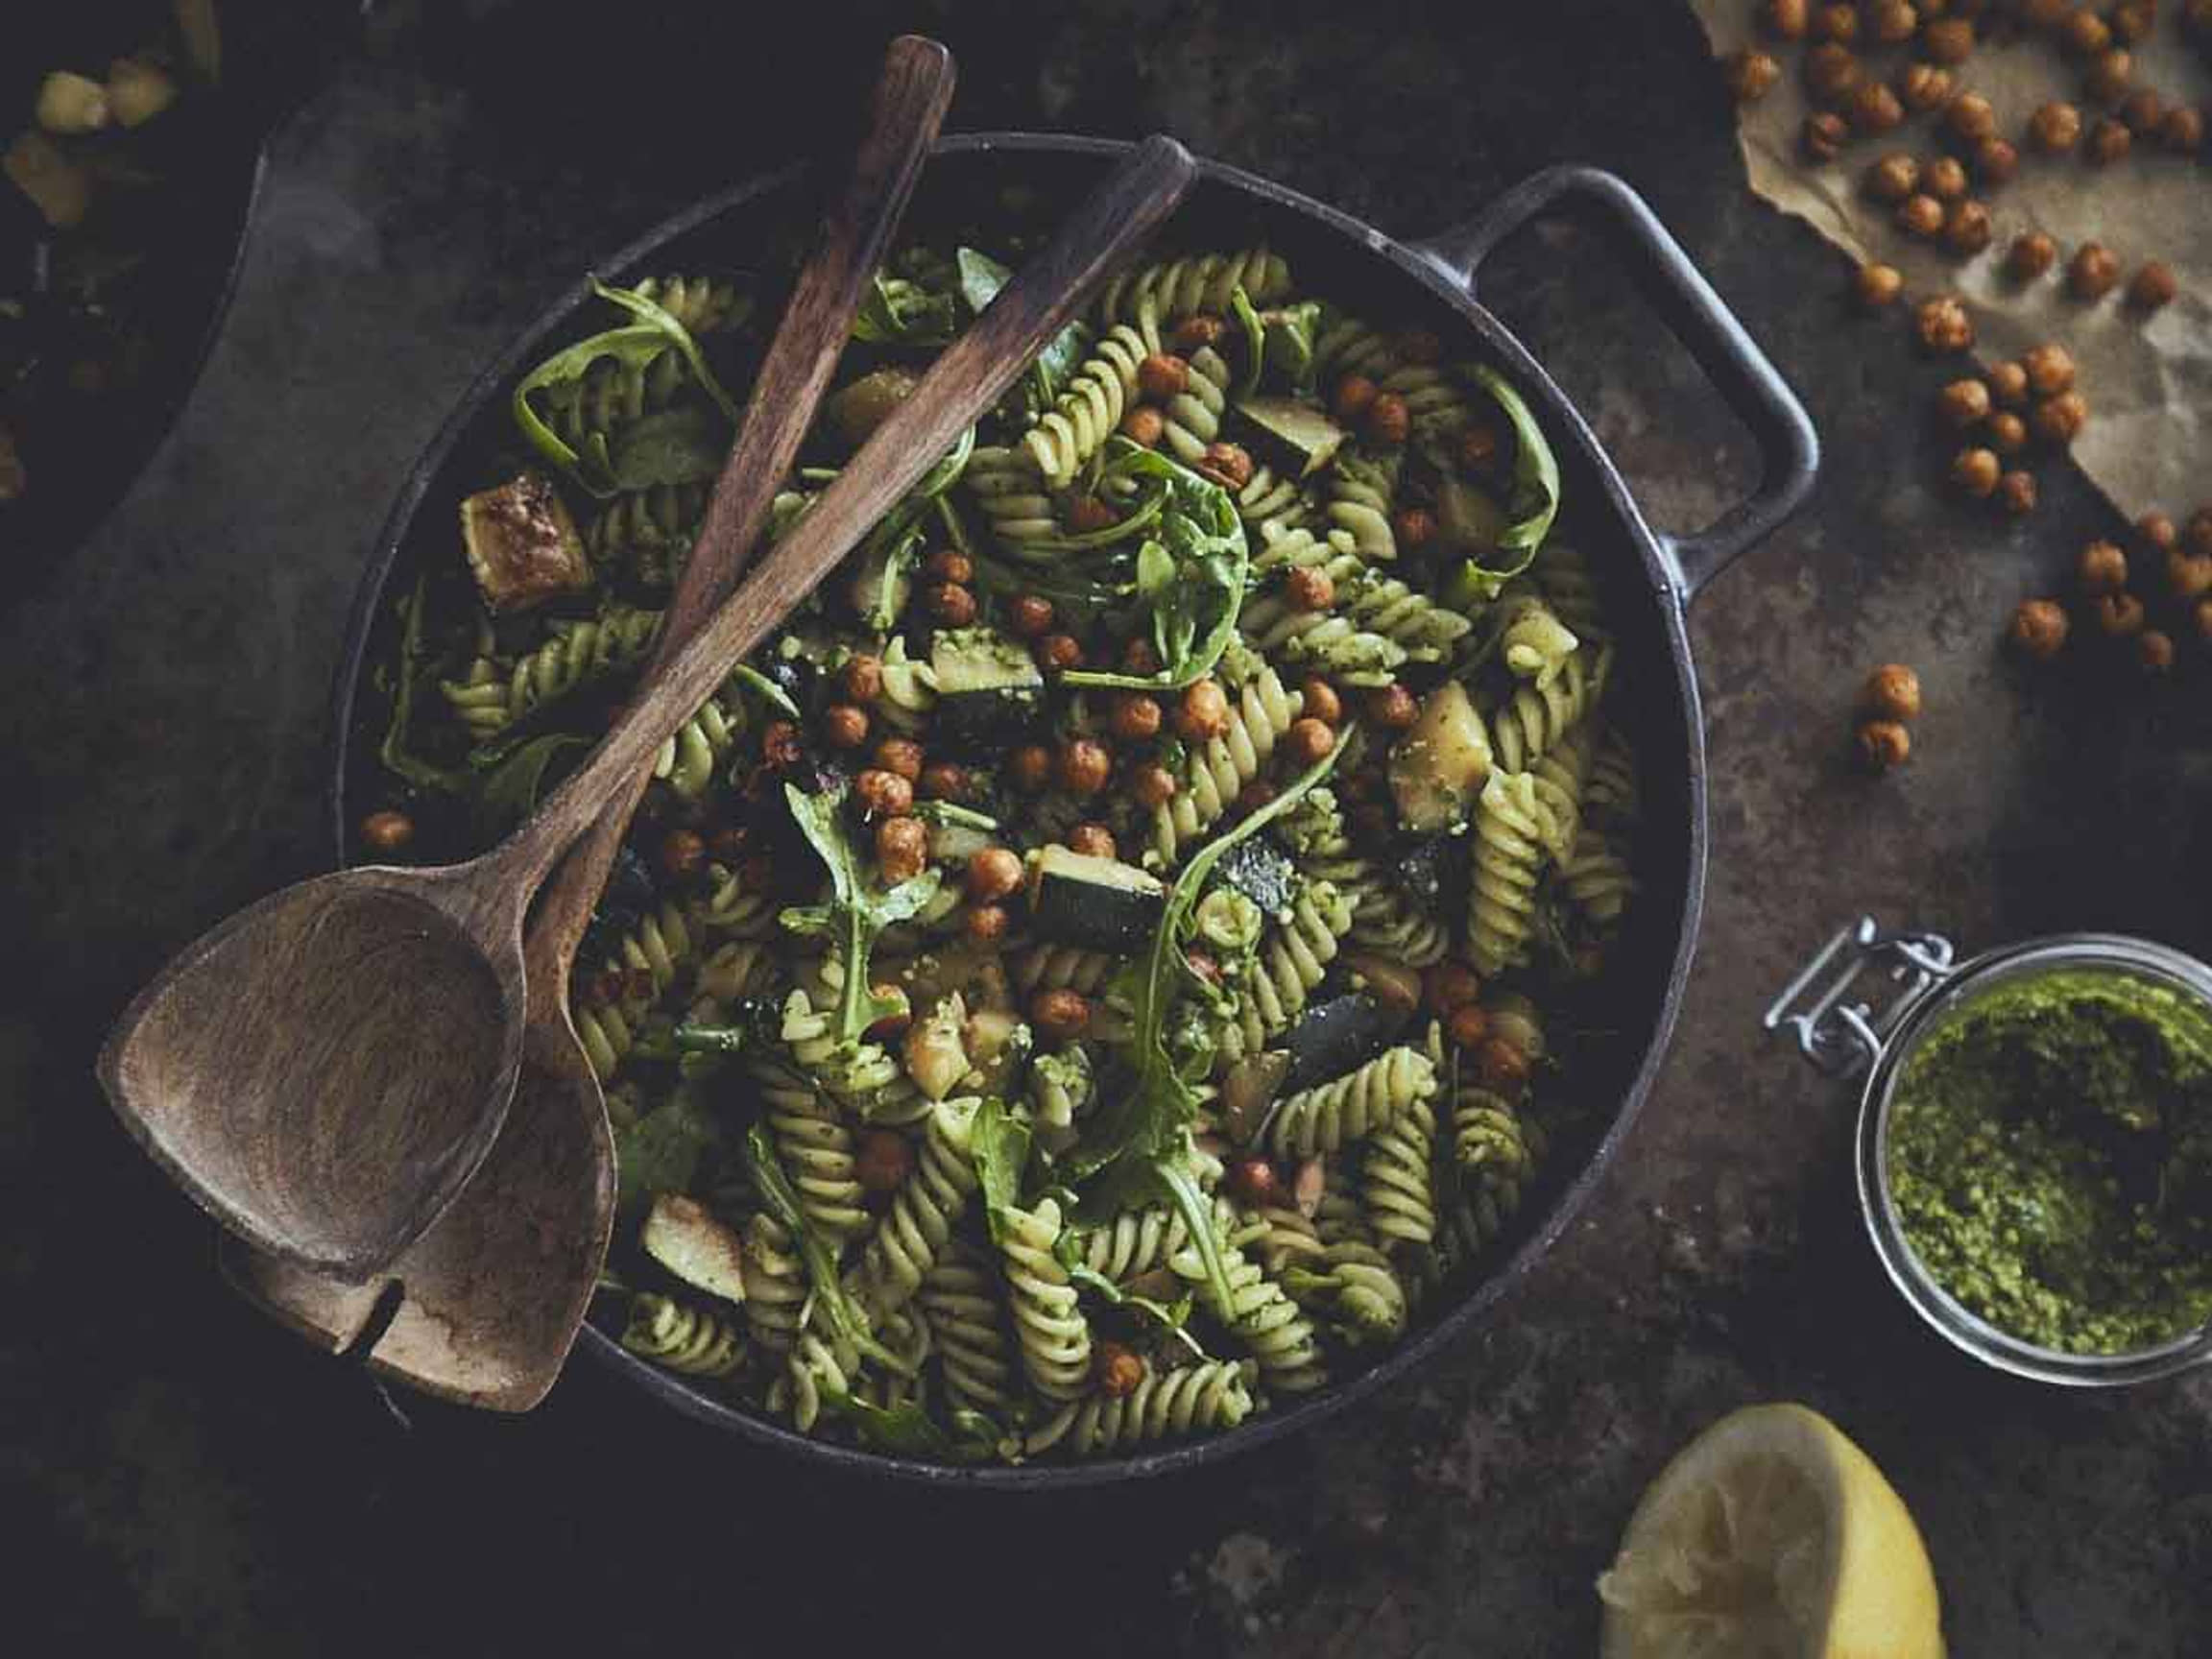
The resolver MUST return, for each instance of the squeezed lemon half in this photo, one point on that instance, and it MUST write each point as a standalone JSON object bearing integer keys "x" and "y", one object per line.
{"x": 1772, "y": 1536}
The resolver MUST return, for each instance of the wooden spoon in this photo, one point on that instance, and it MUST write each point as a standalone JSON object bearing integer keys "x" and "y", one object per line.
{"x": 325, "y": 1070}
{"x": 484, "y": 1307}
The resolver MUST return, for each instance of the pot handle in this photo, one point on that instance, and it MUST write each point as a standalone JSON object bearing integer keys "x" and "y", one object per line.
{"x": 1788, "y": 448}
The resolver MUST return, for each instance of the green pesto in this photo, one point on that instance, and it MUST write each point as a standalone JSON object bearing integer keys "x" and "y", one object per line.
{"x": 2050, "y": 1157}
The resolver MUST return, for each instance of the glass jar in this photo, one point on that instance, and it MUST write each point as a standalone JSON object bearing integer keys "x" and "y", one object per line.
{"x": 1843, "y": 1036}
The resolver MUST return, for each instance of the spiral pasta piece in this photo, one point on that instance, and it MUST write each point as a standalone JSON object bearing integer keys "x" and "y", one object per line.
{"x": 908, "y": 1335}
{"x": 1511, "y": 827}
{"x": 1061, "y": 967}
{"x": 1348, "y": 345}
{"x": 1563, "y": 573}
{"x": 1271, "y": 503}
{"x": 1597, "y": 878}
{"x": 1054, "y": 1335}
{"x": 1294, "y": 953}
{"x": 649, "y": 531}
{"x": 1352, "y": 1107}
{"x": 1164, "y": 1406}
{"x": 1275, "y": 1329}
{"x": 1532, "y": 643}
{"x": 613, "y": 395}
{"x": 909, "y": 692}
{"x": 815, "y": 1147}
{"x": 732, "y": 910}
{"x": 705, "y": 305}
{"x": 1435, "y": 403}
{"x": 1561, "y": 774}
{"x": 1361, "y": 491}
{"x": 863, "y": 1078}
{"x": 686, "y": 760}
{"x": 1084, "y": 416}
{"x": 1535, "y": 715}
{"x": 960, "y": 1296}
{"x": 775, "y": 1288}
{"x": 1259, "y": 712}
{"x": 1179, "y": 288}
{"x": 1497, "y": 1150}
{"x": 580, "y": 653}
{"x": 697, "y": 1341}
{"x": 1396, "y": 1183}
{"x": 905, "y": 1245}
{"x": 1612, "y": 792}
{"x": 815, "y": 1371}
{"x": 1194, "y": 413}
{"x": 1011, "y": 494}
{"x": 1134, "y": 1241}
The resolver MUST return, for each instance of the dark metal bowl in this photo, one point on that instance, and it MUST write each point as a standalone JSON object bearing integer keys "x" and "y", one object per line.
{"x": 1646, "y": 580}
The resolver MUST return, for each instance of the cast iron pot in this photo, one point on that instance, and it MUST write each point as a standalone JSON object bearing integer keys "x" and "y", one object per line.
{"x": 1646, "y": 578}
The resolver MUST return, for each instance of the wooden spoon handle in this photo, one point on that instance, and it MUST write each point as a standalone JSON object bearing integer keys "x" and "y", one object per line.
{"x": 911, "y": 97}
{"x": 967, "y": 378}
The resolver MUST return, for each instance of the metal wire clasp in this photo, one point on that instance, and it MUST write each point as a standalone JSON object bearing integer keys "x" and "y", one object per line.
{"x": 1841, "y": 1037}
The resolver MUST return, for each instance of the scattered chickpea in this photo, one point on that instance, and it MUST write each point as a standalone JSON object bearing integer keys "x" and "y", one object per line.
{"x": 1355, "y": 396}
{"x": 1823, "y": 137}
{"x": 2109, "y": 141}
{"x": 1893, "y": 21}
{"x": 2202, "y": 617}
{"x": 1139, "y": 657}
{"x": 2031, "y": 256}
{"x": 1920, "y": 216}
{"x": 883, "y": 1161}
{"x": 1161, "y": 376}
{"x": 725, "y": 844}
{"x": 1060, "y": 1015}
{"x": 948, "y": 564}
{"x": 992, "y": 874}
{"x": 902, "y": 849}
{"x": 2039, "y": 629}
{"x": 1893, "y": 177}
{"x": 2085, "y": 34}
{"x": 2144, "y": 111}
{"x": 1971, "y": 117}
{"x": 1831, "y": 71}
{"x": 2159, "y": 530}
{"x": 683, "y": 855}
{"x": 1088, "y": 515}
{"x": 2050, "y": 368}
{"x": 1197, "y": 332}
{"x": 943, "y": 781}
{"x": 1136, "y": 717}
{"x": 780, "y": 746}
{"x": 2101, "y": 568}
{"x": 2189, "y": 575}
{"x": 2154, "y": 286}
{"x": 1894, "y": 693}
{"x": 2008, "y": 385}
{"x": 1413, "y": 526}
{"x": 1963, "y": 403}
{"x": 1883, "y": 745}
{"x": 2058, "y": 421}
{"x": 2117, "y": 616}
{"x": 1083, "y": 766}
{"x": 1468, "y": 1025}
{"x": 2006, "y": 433}
{"x": 987, "y": 923}
{"x": 1996, "y": 160}
{"x": 1309, "y": 739}
{"x": 1253, "y": 796}
{"x": 1944, "y": 324}
{"x": 2016, "y": 492}
{"x": 1030, "y": 617}
{"x": 387, "y": 831}
{"x": 1120, "y": 1370}
{"x": 1838, "y": 23}
{"x": 883, "y": 794}
{"x": 2054, "y": 129}
{"x": 2183, "y": 130}
{"x": 1922, "y": 88}
{"x": 2132, "y": 23}
{"x": 2154, "y": 651}
{"x": 844, "y": 726}
{"x": 1254, "y": 1180}
{"x": 1944, "y": 178}
{"x": 2108, "y": 75}
{"x": 1949, "y": 39}
{"x": 1153, "y": 785}
{"x": 1203, "y": 712}
{"x": 1228, "y": 464}
{"x": 1392, "y": 707}
{"x": 1975, "y": 470}
{"x": 1318, "y": 698}
{"x": 1448, "y": 986}
{"x": 2044, "y": 15}
{"x": 2092, "y": 273}
{"x": 862, "y": 678}
{"x": 1093, "y": 841}
{"x": 1388, "y": 419}
{"x": 1501, "y": 1065}
{"x": 1030, "y": 767}
{"x": 1308, "y": 588}
{"x": 1967, "y": 228}
{"x": 1144, "y": 428}
{"x": 1057, "y": 653}
{"x": 1876, "y": 286}
{"x": 1874, "y": 109}
{"x": 950, "y": 603}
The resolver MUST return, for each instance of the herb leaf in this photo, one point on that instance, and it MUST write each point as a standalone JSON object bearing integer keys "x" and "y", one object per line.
{"x": 660, "y": 1152}
{"x": 897, "y": 312}
{"x": 1535, "y": 499}
{"x": 855, "y": 914}
{"x": 415, "y": 665}
{"x": 999, "y": 1145}
{"x": 511, "y": 789}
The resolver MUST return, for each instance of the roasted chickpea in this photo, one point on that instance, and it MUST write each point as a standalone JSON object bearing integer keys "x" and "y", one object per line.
{"x": 1144, "y": 428}
{"x": 1949, "y": 39}
{"x": 2143, "y": 110}
{"x": 1996, "y": 161}
{"x": 1963, "y": 403}
{"x": 986, "y": 924}
{"x": 1875, "y": 286}
{"x": 1944, "y": 178}
{"x": 1083, "y": 766}
{"x": 1944, "y": 324}
{"x": 2107, "y": 77}
{"x": 2050, "y": 368}
{"x": 1476, "y": 448}
{"x": 950, "y": 603}
{"x": 2182, "y": 130}
{"x": 1971, "y": 117}
{"x": 387, "y": 831}
{"x": 1093, "y": 841}
{"x": 902, "y": 849}
{"x": 883, "y": 794}
{"x": 1308, "y": 588}
{"x": 1785, "y": 19}
{"x": 1838, "y": 23}
{"x": 1831, "y": 71}
{"x": 2154, "y": 286}
{"x": 1194, "y": 333}
{"x": 683, "y": 855}
{"x": 1468, "y": 1025}
{"x": 948, "y": 564}
{"x": 1202, "y": 712}
{"x": 1153, "y": 785}
{"x": 2109, "y": 141}
{"x": 1448, "y": 986}
{"x": 1227, "y": 464}
{"x": 1318, "y": 698}
{"x": 1893, "y": 21}
{"x": 2189, "y": 575}
{"x": 1502, "y": 1065}
{"x": 1413, "y": 526}
{"x": 1253, "y": 796}
{"x": 2016, "y": 491}
{"x": 1030, "y": 768}
{"x": 1162, "y": 375}
{"x": 2117, "y": 616}
{"x": 1355, "y": 396}
{"x": 1884, "y": 744}
{"x": 1030, "y": 617}
{"x": 2005, "y": 432}
{"x": 2159, "y": 530}
{"x": 1975, "y": 470}
{"x": 992, "y": 874}
{"x": 1922, "y": 88}
{"x": 780, "y": 745}
{"x": 2101, "y": 568}
{"x": 844, "y": 726}
{"x": 1823, "y": 137}
{"x": 1967, "y": 228}
{"x": 1309, "y": 739}
{"x": 2054, "y": 128}
{"x": 1120, "y": 1370}
{"x": 2058, "y": 421}
{"x": 883, "y": 1161}
{"x": 2031, "y": 256}
{"x": 1894, "y": 693}
{"x": 2154, "y": 651}
{"x": 2008, "y": 385}
{"x": 1388, "y": 419}
{"x": 943, "y": 781}
{"x": 1060, "y": 1016}
{"x": 1392, "y": 707}
{"x": 725, "y": 844}
{"x": 1893, "y": 177}
{"x": 2202, "y": 616}
{"x": 1139, "y": 657}
{"x": 2085, "y": 34}
{"x": 1253, "y": 1180}
{"x": 862, "y": 678}
{"x": 2039, "y": 629}
{"x": 2132, "y": 23}
{"x": 1873, "y": 107}
{"x": 1057, "y": 653}
{"x": 1087, "y": 515}
{"x": 1136, "y": 717}
{"x": 1919, "y": 217}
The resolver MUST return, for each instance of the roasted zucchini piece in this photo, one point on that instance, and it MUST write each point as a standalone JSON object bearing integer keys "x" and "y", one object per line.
{"x": 988, "y": 687}
{"x": 521, "y": 545}
{"x": 686, "y": 1239}
{"x": 1442, "y": 760}
{"x": 1330, "y": 1038}
{"x": 1098, "y": 903}
{"x": 1295, "y": 435}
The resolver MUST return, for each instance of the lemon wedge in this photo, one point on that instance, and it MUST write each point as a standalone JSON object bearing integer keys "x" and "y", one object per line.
{"x": 1772, "y": 1536}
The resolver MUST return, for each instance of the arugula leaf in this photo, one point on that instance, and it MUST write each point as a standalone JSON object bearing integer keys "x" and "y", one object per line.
{"x": 909, "y": 1430}
{"x": 1192, "y": 573}
{"x": 1289, "y": 348}
{"x": 745, "y": 674}
{"x": 510, "y": 790}
{"x": 680, "y": 445}
{"x": 660, "y": 1152}
{"x": 1535, "y": 499}
{"x": 653, "y": 317}
{"x": 981, "y": 277}
{"x": 847, "y": 1320}
{"x": 896, "y": 312}
{"x": 1255, "y": 341}
{"x": 415, "y": 666}
{"x": 1171, "y": 1318}
{"x": 854, "y": 914}
{"x": 999, "y": 1145}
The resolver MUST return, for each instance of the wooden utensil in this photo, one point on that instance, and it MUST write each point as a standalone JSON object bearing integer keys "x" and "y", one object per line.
{"x": 325, "y": 1070}
{"x": 484, "y": 1307}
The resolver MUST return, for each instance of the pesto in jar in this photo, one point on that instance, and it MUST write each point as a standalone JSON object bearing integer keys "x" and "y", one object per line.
{"x": 2050, "y": 1160}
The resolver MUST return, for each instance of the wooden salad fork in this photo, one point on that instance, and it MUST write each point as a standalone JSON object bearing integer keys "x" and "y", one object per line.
{"x": 325, "y": 1070}
{"x": 484, "y": 1307}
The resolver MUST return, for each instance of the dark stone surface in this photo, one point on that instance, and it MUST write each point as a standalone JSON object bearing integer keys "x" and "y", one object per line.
{"x": 177, "y": 1476}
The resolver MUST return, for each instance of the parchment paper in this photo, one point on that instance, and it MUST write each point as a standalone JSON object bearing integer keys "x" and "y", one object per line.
{"x": 2148, "y": 379}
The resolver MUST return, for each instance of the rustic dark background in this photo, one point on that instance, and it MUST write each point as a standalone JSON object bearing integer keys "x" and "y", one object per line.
{"x": 177, "y": 1477}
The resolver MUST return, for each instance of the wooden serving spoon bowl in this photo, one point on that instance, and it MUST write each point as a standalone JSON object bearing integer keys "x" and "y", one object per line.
{"x": 328, "y": 1114}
